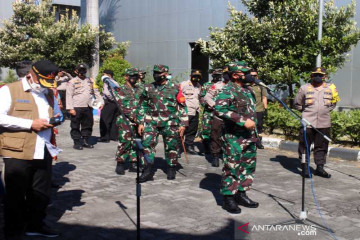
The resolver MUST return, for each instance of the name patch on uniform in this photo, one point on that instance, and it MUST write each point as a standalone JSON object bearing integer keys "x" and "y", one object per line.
{"x": 22, "y": 101}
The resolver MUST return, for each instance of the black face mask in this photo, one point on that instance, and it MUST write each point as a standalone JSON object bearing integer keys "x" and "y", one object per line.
{"x": 133, "y": 80}
{"x": 317, "y": 80}
{"x": 248, "y": 78}
{"x": 158, "y": 77}
{"x": 226, "y": 77}
{"x": 195, "y": 79}
{"x": 216, "y": 78}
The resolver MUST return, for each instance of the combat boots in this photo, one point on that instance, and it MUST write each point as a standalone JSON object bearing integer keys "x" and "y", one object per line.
{"x": 307, "y": 170}
{"x": 242, "y": 199}
{"x": 86, "y": 144}
{"x": 77, "y": 145}
{"x": 215, "y": 160}
{"x": 147, "y": 174}
{"x": 230, "y": 204}
{"x": 321, "y": 172}
{"x": 171, "y": 172}
{"x": 133, "y": 167}
{"x": 120, "y": 170}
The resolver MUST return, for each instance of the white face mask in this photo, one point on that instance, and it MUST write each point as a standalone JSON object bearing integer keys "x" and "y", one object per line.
{"x": 36, "y": 87}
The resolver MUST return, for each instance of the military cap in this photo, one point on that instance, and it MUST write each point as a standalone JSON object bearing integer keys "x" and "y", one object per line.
{"x": 131, "y": 71}
{"x": 195, "y": 72}
{"x": 217, "y": 71}
{"x": 45, "y": 71}
{"x": 319, "y": 70}
{"x": 23, "y": 68}
{"x": 242, "y": 63}
{"x": 233, "y": 67}
{"x": 161, "y": 68}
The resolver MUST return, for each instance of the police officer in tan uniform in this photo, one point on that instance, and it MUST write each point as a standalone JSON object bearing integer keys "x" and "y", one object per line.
{"x": 81, "y": 92}
{"x": 191, "y": 90}
{"x": 315, "y": 101}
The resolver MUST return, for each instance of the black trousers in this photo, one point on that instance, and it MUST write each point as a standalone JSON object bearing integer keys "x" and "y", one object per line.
{"x": 82, "y": 123}
{"x": 320, "y": 144}
{"x": 27, "y": 186}
{"x": 216, "y": 144}
{"x": 260, "y": 121}
{"x": 191, "y": 130}
{"x": 108, "y": 128}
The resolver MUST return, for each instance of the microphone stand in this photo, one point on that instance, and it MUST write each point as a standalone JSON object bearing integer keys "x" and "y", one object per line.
{"x": 303, "y": 217}
{"x": 139, "y": 149}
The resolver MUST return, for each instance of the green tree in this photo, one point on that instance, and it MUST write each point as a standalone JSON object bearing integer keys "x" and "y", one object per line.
{"x": 10, "y": 77}
{"x": 32, "y": 33}
{"x": 279, "y": 38}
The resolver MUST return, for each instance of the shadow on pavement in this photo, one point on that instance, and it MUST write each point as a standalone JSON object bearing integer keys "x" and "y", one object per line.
{"x": 212, "y": 182}
{"x": 82, "y": 232}
{"x": 291, "y": 164}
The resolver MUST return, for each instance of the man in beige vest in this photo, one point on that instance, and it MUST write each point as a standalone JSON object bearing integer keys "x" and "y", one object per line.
{"x": 27, "y": 108}
{"x": 314, "y": 100}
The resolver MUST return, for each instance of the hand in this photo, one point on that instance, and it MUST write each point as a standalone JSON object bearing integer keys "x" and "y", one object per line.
{"x": 249, "y": 124}
{"x": 40, "y": 124}
{"x": 72, "y": 112}
{"x": 181, "y": 131}
{"x": 101, "y": 107}
{"x": 141, "y": 129}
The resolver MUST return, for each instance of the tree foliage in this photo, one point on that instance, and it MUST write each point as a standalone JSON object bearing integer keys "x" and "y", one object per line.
{"x": 279, "y": 38}
{"x": 32, "y": 33}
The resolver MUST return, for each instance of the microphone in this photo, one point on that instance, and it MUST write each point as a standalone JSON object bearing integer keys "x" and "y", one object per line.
{"x": 110, "y": 83}
{"x": 261, "y": 84}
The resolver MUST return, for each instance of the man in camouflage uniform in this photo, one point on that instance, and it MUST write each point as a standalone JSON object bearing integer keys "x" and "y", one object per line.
{"x": 162, "y": 110}
{"x": 126, "y": 97}
{"x": 235, "y": 104}
{"x": 208, "y": 111}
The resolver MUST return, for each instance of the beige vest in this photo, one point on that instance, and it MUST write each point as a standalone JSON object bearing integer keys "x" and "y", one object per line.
{"x": 21, "y": 144}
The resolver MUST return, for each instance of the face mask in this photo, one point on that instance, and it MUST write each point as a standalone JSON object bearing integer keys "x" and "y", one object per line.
{"x": 317, "y": 80}
{"x": 36, "y": 87}
{"x": 249, "y": 79}
{"x": 158, "y": 77}
{"x": 216, "y": 78}
{"x": 133, "y": 80}
{"x": 195, "y": 79}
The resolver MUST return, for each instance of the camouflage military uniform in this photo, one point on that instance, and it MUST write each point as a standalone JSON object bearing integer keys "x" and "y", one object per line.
{"x": 162, "y": 110}
{"x": 128, "y": 102}
{"x": 236, "y": 104}
{"x": 207, "y": 113}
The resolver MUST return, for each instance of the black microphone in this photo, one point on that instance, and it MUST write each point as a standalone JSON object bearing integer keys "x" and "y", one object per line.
{"x": 108, "y": 81}
{"x": 261, "y": 84}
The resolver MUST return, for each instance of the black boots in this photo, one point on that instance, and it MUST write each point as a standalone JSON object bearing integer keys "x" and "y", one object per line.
{"x": 147, "y": 174}
{"x": 77, "y": 145}
{"x": 120, "y": 170}
{"x": 215, "y": 160}
{"x": 171, "y": 172}
{"x": 133, "y": 167}
{"x": 230, "y": 204}
{"x": 86, "y": 144}
{"x": 242, "y": 199}
{"x": 259, "y": 143}
{"x": 191, "y": 150}
{"x": 321, "y": 172}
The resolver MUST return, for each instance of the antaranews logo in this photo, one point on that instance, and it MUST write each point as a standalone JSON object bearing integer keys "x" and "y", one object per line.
{"x": 245, "y": 231}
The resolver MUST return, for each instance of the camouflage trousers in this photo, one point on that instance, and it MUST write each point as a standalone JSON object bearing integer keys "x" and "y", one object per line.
{"x": 206, "y": 124}
{"x": 171, "y": 142}
{"x": 126, "y": 147}
{"x": 239, "y": 165}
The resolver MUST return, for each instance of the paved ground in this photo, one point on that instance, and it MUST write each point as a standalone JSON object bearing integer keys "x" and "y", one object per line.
{"x": 95, "y": 203}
